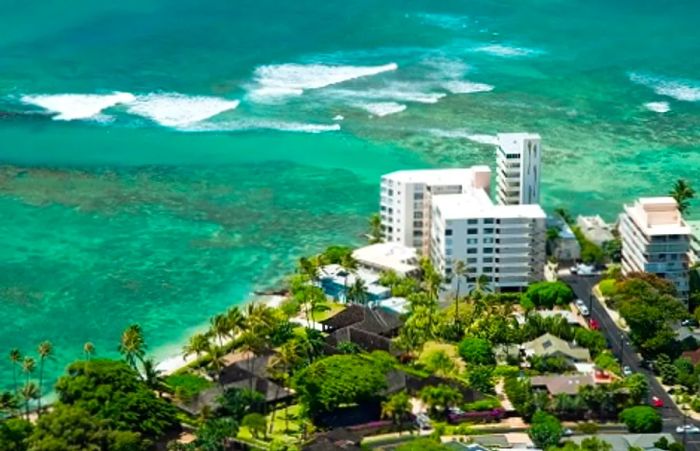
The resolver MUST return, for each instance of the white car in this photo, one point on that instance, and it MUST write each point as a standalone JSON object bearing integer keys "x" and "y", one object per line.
{"x": 688, "y": 429}
{"x": 582, "y": 307}
{"x": 567, "y": 432}
{"x": 626, "y": 371}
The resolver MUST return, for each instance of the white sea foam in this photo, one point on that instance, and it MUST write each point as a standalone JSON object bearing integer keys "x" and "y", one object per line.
{"x": 178, "y": 110}
{"x": 466, "y": 87}
{"x": 446, "y": 68}
{"x": 658, "y": 107}
{"x": 505, "y": 50}
{"x": 275, "y": 82}
{"x": 262, "y": 124}
{"x": 338, "y": 117}
{"x": 70, "y": 107}
{"x": 399, "y": 92}
{"x": 679, "y": 89}
{"x": 382, "y": 109}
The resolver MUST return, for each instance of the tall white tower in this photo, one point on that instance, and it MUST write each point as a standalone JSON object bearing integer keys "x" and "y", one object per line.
{"x": 518, "y": 168}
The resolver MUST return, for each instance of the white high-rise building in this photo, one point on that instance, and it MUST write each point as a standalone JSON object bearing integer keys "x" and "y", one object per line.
{"x": 656, "y": 239}
{"x": 505, "y": 243}
{"x": 518, "y": 164}
{"x": 448, "y": 215}
{"x": 405, "y": 200}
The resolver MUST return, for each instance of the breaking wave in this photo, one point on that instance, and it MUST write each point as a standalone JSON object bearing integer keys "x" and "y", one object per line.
{"x": 466, "y": 87}
{"x": 262, "y": 124}
{"x": 658, "y": 107}
{"x": 275, "y": 82}
{"x": 178, "y": 110}
{"x": 69, "y": 107}
{"x": 381, "y": 109}
{"x": 506, "y": 51}
{"x": 679, "y": 89}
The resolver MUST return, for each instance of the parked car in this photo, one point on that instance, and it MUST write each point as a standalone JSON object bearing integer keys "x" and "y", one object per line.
{"x": 656, "y": 402}
{"x": 567, "y": 432}
{"x": 688, "y": 429}
{"x": 423, "y": 422}
{"x": 690, "y": 322}
{"x": 626, "y": 371}
{"x": 581, "y": 306}
{"x": 593, "y": 324}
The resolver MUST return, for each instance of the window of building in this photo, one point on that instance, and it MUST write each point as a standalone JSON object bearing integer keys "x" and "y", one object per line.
{"x": 471, "y": 250}
{"x": 488, "y": 221}
{"x": 472, "y": 260}
{"x": 488, "y": 259}
{"x": 448, "y": 251}
{"x": 487, "y": 269}
{"x": 472, "y": 241}
{"x": 448, "y": 232}
{"x": 488, "y": 250}
{"x": 488, "y": 240}
{"x": 472, "y": 231}
{"x": 488, "y": 230}
{"x": 472, "y": 221}
{"x": 418, "y": 215}
{"x": 417, "y": 196}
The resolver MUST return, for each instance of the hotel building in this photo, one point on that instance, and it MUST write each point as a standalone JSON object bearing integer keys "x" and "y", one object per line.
{"x": 656, "y": 239}
{"x": 518, "y": 164}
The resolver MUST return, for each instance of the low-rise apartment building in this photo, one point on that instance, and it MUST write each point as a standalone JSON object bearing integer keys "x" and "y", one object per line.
{"x": 656, "y": 239}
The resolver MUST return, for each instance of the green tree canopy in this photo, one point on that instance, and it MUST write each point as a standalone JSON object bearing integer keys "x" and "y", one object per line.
{"x": 341, "y": 379}
{"x": 13, "y": 433}
{"x": 549, "y": 294}
{"x": 113, "y": 391}
{"x": 72, "y": 428}
{"x": 423, "y": 444}
{"x": 477, "y": 351}
{"x": 545, "y": 430}
{"x": 641, "y": 419}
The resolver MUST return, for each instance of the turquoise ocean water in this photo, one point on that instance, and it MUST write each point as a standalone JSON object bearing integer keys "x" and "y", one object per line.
{"x": 160, "y": 160}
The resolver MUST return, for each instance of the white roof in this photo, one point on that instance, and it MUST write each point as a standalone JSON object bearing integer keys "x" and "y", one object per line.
{"x": 387, "y": 256}
{"x": 513, "y": 142}
{"x": 452, "y": 176}
{"x": 475, "y": 203}
{"x": 657, "y": 216}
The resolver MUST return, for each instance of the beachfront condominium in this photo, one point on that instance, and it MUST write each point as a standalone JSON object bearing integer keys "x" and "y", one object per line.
{"x": 505, "y": 243}
{"x": 656, "y": 239}
{"x": 405, "y": 200}
{"x": 518, "y": 164}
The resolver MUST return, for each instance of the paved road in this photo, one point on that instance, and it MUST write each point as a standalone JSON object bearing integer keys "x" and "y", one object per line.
{"x": 621, "y": 346}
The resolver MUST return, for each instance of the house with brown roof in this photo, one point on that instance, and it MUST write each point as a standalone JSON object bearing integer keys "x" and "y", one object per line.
{"x": 562, "y": 384}
{"x": 549, "y": 345}
{"x": 371, "y": 328}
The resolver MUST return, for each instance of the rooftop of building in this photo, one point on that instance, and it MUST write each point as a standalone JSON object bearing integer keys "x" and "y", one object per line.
{"x": 563, "y": 384}
{"x": 623, "y": 442}
{"x": 511, "y": 142}
{"x": 595, "y": 228}
{"x": 449, "y": 176}
{"x": 657, "y": 216}
{"x": 388, "y": 256}
{"x": 548, "y": 344}
{"x": 476, "y": 203}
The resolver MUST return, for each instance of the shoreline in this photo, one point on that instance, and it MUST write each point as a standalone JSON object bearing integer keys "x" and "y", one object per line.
{"x": 173, "y": 362}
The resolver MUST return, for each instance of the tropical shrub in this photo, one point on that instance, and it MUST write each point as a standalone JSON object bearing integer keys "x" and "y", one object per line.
{"x": 641, "y": 419}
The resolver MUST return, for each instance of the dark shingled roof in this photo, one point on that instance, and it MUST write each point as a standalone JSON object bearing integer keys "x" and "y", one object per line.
{"x": 335, "y": 439}
{"x": 243, "y": 368}
{"x": 376, "y": 320}
{"x": 366, "y": 340}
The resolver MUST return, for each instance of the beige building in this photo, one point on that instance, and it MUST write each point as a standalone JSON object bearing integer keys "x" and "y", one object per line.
{"x": 656, "y": 239}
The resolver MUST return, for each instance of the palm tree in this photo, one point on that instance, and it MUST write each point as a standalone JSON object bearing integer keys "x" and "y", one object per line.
{"x": 397, "y": 408}
{"x": 350, "y": 265}
{"x": 220, "y": 327}
{"x": 253, "y": 344}
{"x": 216, "y": 361}
{"x": 132, "y": 345}
{"x": 682, "y": 192}
{"x": 375, "y": 228}
{"x": 460, "y": 271}
{"x": 88, "y": 350}
{"x": 236, "y": 320}
{"x": 279, "y": 368}
{"x": 28, "y": 367}
{"x": 8, "y": 402}
{"x": 45, "y": 351}
{"x": 153, "y": 377}
{"x": 15, "y": 358}
{"x": 30, "y": 392}
{"x": 358, "y": 292}
{"x": 198, "y": 344}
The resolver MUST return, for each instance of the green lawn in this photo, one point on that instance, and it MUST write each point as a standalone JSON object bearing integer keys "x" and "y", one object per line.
{"x": 187, "y": 385}
{"x": 450, "y": 349}
{"x": 279, "y": 432}
{"x": 334, "y": 308}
